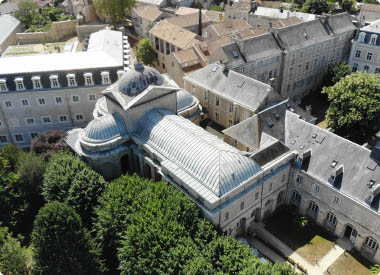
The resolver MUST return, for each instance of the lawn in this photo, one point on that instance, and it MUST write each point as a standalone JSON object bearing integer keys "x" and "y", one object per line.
{"x": 350, "y": 263}
{"x": 311, "y": 242}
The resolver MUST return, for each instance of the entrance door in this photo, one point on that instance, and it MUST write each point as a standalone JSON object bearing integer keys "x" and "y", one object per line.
{"x": 350, "y": 234}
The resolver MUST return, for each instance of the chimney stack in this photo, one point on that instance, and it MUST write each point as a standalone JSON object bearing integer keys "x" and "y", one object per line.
{"x": 375, "y": 154}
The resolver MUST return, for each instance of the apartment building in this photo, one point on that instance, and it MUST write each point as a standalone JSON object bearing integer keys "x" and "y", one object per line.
{"x": 228, "y": 97}
{"x": 168, "y": 38}
{"x": 45, "y": 92}
{"x": 365, "y": 50}
{"x": 144, "y": 17}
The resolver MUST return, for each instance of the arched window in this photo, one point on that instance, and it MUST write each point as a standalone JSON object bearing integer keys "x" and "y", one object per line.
{"x": 373, "y": 39}
{"x": 331, "y": 218}
{"x": 371, "y": 243}
{"x": 313, "y": 207}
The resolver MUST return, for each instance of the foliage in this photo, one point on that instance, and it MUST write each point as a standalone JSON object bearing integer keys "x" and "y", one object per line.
{"x": 354, "y": 111}
{"x": 336, "y": 72}
{"x": 14, "y": 259}
{"x": 217, "y": 8}
{"x": 145, "y": 52}
{"x": 61, "y": 244}
{"x": 68, "y": 179}
{"x": 196, "y": 5}
{"x": 113, "y": 10}
{"x": 302, "y": 222}
{"x": 375, "y": 269}
{"x": 155, "y": 229}
{"x": 20, "y": 188}
{"x": 315, "y": 6}
{"x": 47, "y": 144}
{"x": 37, "y": 19}
{"x": 348, "y": 5}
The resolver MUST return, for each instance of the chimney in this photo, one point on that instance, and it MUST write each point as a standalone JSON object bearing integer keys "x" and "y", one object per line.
{"x": 139, "y": 67}
{"x": 281, "y": 9}
{"x": 375, "y": 154}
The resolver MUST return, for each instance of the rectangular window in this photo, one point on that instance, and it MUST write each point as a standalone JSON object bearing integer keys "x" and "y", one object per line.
{"x": 19, "y": 138}
{"x": 33, "y": 135}
{"x": 230, "y": 123}
{"x": 29, "y": 121}
{"x": 270, "y": 186}
{"x": 300, "y": 68}
{"x": 88, "y": 79}
{"x": 41, "y": 101}
{"x": 226, "y": 216}
{"x": 216, "y": 101}
{"x": 357, "y": 54}
{"x": 105, "y": 78}
{"x": 63, "y": 118}
{"x": 369, "y": 56}
{"x": 242, "y": 205}
{"x": 54, "y": 81}
{"x": 36, "y": 82}
{"x": 75, "y": 98}
{"x": 19, "y": 83}
{"x": 3, "y": 85}
{"x": 307, "y": 66}
{"x": 71, "y": 80}
{"x": 24, "y": 102}
{"x": 231, "y": 107}
{"x": 58, "y": 100}
{"x": 256, "y": 196}
{"x": 79, "y": 117}
{"x": 46, "y": 119}
{"x": 205, "y": 95}
{"x": 216, "y": 116}
{"x": 3, "y": 139}
{"x": 92, "y": 97}
{"x": 8, "y": 104}
{"x": 335, "y": 200}
{"x": 377, "y": 71}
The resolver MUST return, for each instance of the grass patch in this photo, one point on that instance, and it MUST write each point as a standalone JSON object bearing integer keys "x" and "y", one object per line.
{"x": 311, "y": 242}
{"x": 350, "y": 263}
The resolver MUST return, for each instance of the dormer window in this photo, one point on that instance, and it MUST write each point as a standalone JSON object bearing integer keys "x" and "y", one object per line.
{"x": 54, "y": 83}
{"x": 105, "y": 78}
{"x": 373, "y": 39}
{"x": 88, "y": 79}
{"x": 36, "y": 82}
{"x": 362, "y": 37}
{"x": 120, "y": 74}
{"x": 71, "y": 80}
{"x": 19, "y": 83}
{"x": 3, "y": 85}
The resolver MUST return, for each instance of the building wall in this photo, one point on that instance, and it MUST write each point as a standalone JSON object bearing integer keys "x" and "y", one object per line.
{"x": 10, "y": 40}
{"x": 13, "y": 119}
{"x": 347, "y": 210}
{"x": 163, "y": 50}
{"x": 362, "y": 61}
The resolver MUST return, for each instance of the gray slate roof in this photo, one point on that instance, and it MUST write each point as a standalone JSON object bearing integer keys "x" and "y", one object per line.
{"x": 341, "y": 23}
{"x": 236, "y": 87}
{"x": 215, "y": 165}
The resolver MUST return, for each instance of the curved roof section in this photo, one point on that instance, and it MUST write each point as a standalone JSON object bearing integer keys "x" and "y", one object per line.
{"x": 105, "y": 128}
{"x": 215, "y": 164}
{"x": 184, "y": 100}
{"x": 135, "y": 81}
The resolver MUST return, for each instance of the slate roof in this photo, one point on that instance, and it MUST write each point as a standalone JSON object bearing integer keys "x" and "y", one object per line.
{"x": 7, "y": 25}
{"x": 303, "y": 35}
{"x": 374, "y": 27}
{"x": 213, "y": 166}
{"x": 173, "y": 34}
{"x": 236, "y": 87}
{"x": 341, "y": 23}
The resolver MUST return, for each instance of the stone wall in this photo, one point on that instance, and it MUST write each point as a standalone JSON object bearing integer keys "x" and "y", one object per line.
{"x": 83, "y": 30}
{"x": 57, "y": 32}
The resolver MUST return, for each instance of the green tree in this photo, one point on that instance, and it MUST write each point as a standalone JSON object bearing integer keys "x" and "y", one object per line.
{"x": 68, "y": 179}
{"x": 336, "y": 72}
{"x": 27, "y": 10}
{"x": 61, "y": 244}
{"x": 48, "y": 144}
{"x": 14, "y": 259}
{"x": 145, "y": 52}
{"x": 113, "y": 10}
{"x": 348, "y": 5}
{"x": 315, "y": 6}
{"x": 354, "y": 111}
{"x": 375, "y": 269}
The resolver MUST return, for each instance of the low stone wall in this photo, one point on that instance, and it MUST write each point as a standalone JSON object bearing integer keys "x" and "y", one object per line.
{"x": 57, "y": 32}
{"x": 88, "y": 29}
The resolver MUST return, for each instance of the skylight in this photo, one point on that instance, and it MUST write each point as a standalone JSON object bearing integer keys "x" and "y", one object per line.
{"x": 215, "y": 68}
{"x": 235, "y": 54}
{"x": 333, "y": 163}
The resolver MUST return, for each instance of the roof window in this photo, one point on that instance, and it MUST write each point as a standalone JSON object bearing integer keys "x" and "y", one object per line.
{"x": 235, "y": 54}
{"x": 334, "y": 163}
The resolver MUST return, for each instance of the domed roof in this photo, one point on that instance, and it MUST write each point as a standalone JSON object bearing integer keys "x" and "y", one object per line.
{"x": 136, "y": 80}
{"x": 184, "y": 100}
{"x": 105, "y": 128}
